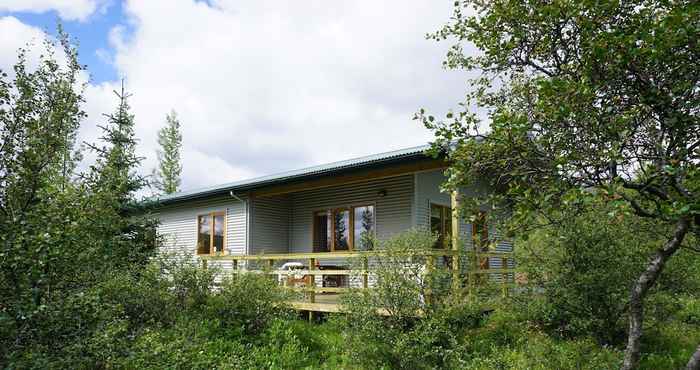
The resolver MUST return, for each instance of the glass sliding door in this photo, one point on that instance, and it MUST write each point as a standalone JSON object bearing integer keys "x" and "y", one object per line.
{"x": 344, "y": 229}
{"x": 322, "y": 232}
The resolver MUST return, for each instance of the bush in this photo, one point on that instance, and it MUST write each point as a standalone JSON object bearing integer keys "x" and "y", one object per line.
{"x": 506, "y": 341}
{"x": 410, "y": 319}
{"x": 583, "y": 268}
{"x": 248, "y": 303}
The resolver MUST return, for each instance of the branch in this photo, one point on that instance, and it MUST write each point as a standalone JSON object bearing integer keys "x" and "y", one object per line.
{"x": 637, "y": 207}
{"x": 647, "y": 187}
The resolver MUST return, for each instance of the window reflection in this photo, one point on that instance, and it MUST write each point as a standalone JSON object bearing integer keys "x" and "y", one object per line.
{"x": 441, "y": 224}
{"x": 363, "y": 228}
{"x": 204, "y": 234}
{"x": 344, "y": 229}
{"x": 218, "y": 233}
{"x": 211, "y": 232}
{"x": 341, "y": 230}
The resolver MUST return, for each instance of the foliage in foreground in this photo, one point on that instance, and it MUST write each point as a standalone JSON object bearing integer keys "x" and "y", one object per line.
{"x": 584, "y": 267}
{"x": 573, "y": 317}
{"x": 168, "y": 314}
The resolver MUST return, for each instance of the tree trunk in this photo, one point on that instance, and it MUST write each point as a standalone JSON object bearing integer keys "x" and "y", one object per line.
{"x": 640, "y": 289}
{"x": 694, "y": 362}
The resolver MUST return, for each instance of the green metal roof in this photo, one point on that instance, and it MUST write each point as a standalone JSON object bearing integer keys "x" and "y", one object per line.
{"x": 300, "y": 174}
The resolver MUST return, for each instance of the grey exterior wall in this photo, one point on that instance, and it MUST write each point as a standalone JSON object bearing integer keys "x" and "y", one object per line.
{"x": 393, "y": 211}
{"x": 283, "y": 224}
{"x": 428, "y": 191}
{"x": 269, "y": 225}
{"x": 178, "y": 225}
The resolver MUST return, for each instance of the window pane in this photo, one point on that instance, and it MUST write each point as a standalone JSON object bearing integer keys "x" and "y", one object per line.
{"x": 341, "y": 228}
{"x": 363, "y": 228}
{"x": 322, "y": 232}
{"x": 436, "y": 224}
{"x": 219, "y": 233}
{"x": 204, "y": 234}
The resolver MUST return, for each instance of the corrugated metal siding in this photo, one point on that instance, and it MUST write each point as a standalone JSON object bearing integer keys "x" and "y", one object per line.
{"x": 269, "y": 226}
{"x": 428, "y": 191}
{"x": 178, "y": 225}
{"x": 392, "y": 212}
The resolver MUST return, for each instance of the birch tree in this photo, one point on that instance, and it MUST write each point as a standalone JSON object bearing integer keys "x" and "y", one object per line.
{"x": 586, "y": 100}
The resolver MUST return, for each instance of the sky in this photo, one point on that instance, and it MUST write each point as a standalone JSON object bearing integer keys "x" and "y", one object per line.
{"x": 259, "y": 86}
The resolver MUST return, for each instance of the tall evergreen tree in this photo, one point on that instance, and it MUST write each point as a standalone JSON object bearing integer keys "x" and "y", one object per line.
{"x": 125, "y": 236}
{"x": 169, "y": 165}
{"x": 114, "y": 172}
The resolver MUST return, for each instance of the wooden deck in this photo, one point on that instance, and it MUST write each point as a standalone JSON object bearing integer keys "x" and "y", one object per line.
{"x": 320, "y": 298}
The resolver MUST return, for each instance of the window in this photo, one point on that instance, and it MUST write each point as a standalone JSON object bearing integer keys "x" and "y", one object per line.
{"x": 211, "y": 232}
{"x": 363, "y": 218}
{"x": 343, "y": 229}
{"x": 441, "y": 224}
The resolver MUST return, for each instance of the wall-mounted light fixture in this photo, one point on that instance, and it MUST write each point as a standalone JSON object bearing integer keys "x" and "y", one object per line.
{"x": 381, "y": 193}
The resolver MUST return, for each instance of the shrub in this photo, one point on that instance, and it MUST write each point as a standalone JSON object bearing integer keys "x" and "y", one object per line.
{"x": 506, "y": 341}
{"x": 583, "y": 268}
{"x": 409, "y": 319}
{"x": 248, "y": 303}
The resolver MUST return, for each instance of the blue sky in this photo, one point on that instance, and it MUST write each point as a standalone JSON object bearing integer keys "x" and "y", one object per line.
{"x": 92, "y": 33}
{"x": 260, "y": 86}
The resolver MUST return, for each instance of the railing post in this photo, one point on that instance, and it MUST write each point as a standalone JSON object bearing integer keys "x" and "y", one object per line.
{"x": 271, "y": 266}
{"x": 477, "y": 264}
{"x": 456, "y": 281}
{"x": 471, "y": 275}
{"x": 312, "y": 281}
{"x": 430, "y": 266}
{"x": 312, "y": 286}
{"x": 365, "y": 272}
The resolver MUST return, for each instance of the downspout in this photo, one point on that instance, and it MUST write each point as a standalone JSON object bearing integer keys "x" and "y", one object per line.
{"x": 247, "y": 220}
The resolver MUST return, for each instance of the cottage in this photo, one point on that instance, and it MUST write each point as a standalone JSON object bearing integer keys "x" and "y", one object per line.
{"x": 318, "y": 217}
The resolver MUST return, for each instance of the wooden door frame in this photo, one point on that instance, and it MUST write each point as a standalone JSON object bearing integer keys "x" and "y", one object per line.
{"x": 351, "y": 219}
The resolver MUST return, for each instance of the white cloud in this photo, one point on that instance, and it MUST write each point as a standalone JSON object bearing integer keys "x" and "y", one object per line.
{"x": 100, "y": 97}
{"x": 16, "y": 35}
{"x": 66, "y": 9}
{"x": 262, "y": 87}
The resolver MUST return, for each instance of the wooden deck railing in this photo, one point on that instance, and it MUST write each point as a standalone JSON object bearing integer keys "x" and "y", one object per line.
{"x": 468, "y": 278}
